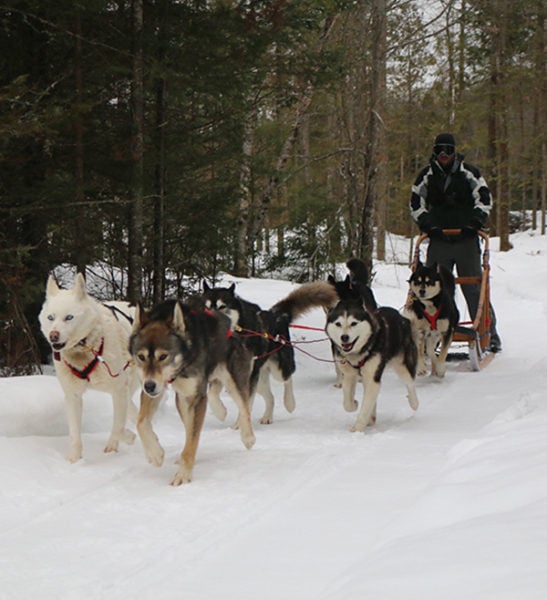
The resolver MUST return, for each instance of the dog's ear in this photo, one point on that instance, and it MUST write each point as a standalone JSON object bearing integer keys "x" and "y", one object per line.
{"x": 79, "y": 287}
{"x": 52, "y": 288}
{"x": 140, "y": 319}
{"x": 331, "y": 279}
{"x": 232, "y": 289}
{"x": 206, "y": 287}
{"x": 178, "y": 319}
{"x": 435, "y": 267}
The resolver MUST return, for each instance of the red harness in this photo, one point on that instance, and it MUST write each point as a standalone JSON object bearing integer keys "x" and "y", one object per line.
{"x": 432, "y": 318}
{"x": 89, "y": 368}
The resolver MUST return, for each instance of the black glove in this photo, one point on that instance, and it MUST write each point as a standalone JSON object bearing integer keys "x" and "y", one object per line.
{"x": 435, "y": 233}
{"x": 469, "y": 231}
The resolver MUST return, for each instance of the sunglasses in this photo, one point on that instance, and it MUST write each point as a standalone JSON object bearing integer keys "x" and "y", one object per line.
{"x": 443, "y": 148}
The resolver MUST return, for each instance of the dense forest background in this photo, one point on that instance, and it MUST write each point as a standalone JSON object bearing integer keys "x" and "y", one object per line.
{"x": 169, "y": 140}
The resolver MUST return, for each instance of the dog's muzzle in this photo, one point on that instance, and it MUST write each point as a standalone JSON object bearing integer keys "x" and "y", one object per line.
{"x": 151, "y": 388}
{"x": 54, "y": 341}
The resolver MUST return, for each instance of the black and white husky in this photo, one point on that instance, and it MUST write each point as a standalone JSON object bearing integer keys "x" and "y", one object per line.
{"x": 433, "y": 313}
{"x": 266, "y": 334}
{"x": 353, "y": 287}
{"x": 365, "y": 343}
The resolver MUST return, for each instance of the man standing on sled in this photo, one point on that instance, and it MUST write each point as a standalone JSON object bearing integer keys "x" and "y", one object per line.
{"x": 452, "y": 194}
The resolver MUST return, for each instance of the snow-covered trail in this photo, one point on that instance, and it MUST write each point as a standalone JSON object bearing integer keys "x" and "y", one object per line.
{"x": 447, "y": 502}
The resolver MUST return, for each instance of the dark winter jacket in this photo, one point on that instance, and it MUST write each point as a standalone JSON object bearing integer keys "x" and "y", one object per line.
{"x": 459, "y": 198}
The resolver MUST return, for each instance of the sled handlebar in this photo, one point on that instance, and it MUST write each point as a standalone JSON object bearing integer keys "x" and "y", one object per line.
{"x": 449, "y": 232}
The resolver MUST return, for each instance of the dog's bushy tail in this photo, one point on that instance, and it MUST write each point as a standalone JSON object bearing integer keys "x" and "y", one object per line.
{"x": 307, "y": 296}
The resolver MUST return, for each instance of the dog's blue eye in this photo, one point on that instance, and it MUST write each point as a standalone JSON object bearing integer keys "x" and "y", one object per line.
{"x": 50, "y": 318}
{"x": 69, "y": 318}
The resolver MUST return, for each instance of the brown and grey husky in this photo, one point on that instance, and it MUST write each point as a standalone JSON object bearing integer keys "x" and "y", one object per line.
{"x": 177, "y": 344}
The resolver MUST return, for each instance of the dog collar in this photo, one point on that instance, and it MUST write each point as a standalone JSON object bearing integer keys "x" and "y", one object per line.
{"x": 358, "y": 365}
{"x": 89, "y": 368}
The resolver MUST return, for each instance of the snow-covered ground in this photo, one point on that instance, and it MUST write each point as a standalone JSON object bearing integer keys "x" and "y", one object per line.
{"x": 449, "y": 502}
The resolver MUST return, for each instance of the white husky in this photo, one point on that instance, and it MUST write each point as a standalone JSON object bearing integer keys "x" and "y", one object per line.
{"x": 90, "y": 350}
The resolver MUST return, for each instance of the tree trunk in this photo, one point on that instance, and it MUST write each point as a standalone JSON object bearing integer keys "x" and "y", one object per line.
{"x": 541, "y": 79}
{"x": 241, "y": 267}
{"x": 80, "y": 254}
{"x": 379, "y": 102}
{"x": 158, "y": 292}
{"x": 498, "y": 129}
{"x": 374, "y": 148}
{"x": 136, "y": 216}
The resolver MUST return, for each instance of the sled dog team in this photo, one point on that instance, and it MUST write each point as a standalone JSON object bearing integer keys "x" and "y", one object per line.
{"x": 218, "y": 340}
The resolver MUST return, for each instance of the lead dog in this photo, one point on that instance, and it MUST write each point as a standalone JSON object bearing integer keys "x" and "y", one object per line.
{"x": 365, "y": 343}
{"x": 433, "y": 313}
{"x": 187, "y": 347}
{"x": 89, "y": 342}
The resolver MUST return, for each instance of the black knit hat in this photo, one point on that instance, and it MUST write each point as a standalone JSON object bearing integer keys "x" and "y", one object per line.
{"x": 446, "y": 139}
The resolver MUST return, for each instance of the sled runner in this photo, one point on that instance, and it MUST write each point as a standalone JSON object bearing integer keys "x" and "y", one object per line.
{"x": 476, "y": 333}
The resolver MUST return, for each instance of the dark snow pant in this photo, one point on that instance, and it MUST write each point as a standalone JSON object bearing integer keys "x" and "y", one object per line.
{"x": 466, "y": 256}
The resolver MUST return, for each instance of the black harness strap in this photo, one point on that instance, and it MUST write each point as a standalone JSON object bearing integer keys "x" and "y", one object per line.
{"x": 115, "y": 311}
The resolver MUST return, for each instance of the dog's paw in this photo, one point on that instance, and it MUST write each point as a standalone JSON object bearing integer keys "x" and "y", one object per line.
{"x": 218, "y": 409}
{"x": 337, "y": 385}
{"x": 182, "y": 476}
{"x": 266, "y": 420}
{"x": 351, "y": 406}
{"x": 439, "y": 370}
{"x": 413, "y": 401}
{"x": 357, "y": 427}
{"x": 290, "y": 403}
{"x": 128, "y": 437}
{"x": 155, "y": 456}
{"x": 248, "y": 440}
{"x": 111, "y": 446}
{"x": 74, "y": 455}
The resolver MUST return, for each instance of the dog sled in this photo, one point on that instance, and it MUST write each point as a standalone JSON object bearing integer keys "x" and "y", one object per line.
{"x": 476, "y": 333}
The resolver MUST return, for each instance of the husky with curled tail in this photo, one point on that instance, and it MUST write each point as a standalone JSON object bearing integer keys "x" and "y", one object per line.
{"x": 267, "y": 335}
{"x": 89, "y": 343}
